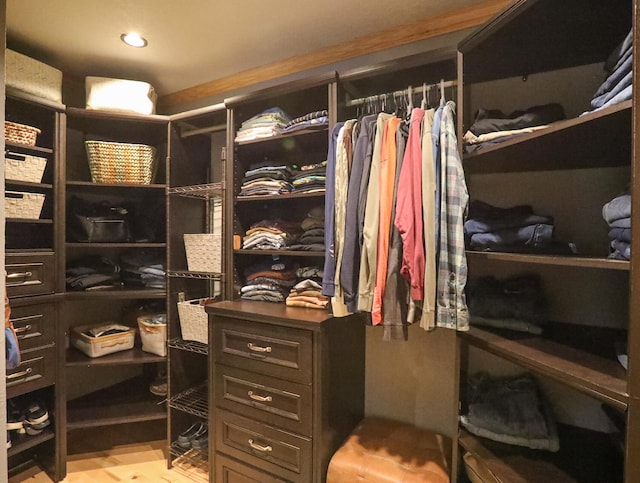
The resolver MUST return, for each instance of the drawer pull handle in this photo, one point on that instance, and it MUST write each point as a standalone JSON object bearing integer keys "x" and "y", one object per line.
{"x": 20, "y": 374}
{"x": 26, "y": 328}
{"x": 257, "y": 397}
{"x": 257, "y": 348}
{"x": 24, "y": 275}
{"x": 258, "y": 447}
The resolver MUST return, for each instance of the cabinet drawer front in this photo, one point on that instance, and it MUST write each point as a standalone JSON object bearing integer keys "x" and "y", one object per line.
{"x": 36, "y": 370}
{"x": 231, "y": 471}
{"x": 273, "y": 350}
{"x": 29, "y": 274}
{"x": 276, "y": 402}
{"x": 34, "y": 324}
{"x": 277, "y": 452}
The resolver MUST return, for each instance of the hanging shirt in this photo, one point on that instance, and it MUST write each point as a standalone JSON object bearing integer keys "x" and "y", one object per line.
{"x": 451, "y": 302}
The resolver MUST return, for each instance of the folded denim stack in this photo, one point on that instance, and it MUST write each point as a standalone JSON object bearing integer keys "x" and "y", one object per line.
{"x": 307, "y": 292}
{"x": 269, "y": 280}
{"x": 271, "y": 235}
{"x": 312, "y": 120}
{"x": 618, "y": 83}
{"x": 312, "y": 238}
{"x": 510, "y": 410}
{"x": 516, "y": 303}
{"x": 310, "y": 178}
{"x": 92, "y": 272}
{"x": 143, "y": 269}
{"x": 269, "y": 122}
{"x": 266, "y": 180}
{"x": 513, "y": 229}
{"x": 492, "y": 126}
{"x": 617, "y": 213}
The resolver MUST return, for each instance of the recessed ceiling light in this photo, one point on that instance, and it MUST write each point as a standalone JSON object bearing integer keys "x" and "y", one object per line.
{"x": 134, "y": 40}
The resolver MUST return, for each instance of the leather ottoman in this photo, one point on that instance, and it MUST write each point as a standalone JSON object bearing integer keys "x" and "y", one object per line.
{"x": 384, "y": 451}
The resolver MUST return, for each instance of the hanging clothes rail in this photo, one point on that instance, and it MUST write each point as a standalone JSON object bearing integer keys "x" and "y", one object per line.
{"x": 409, "y": 91}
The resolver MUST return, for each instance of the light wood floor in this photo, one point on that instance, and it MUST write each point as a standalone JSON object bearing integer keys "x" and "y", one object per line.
{"x": 139, "y": 463}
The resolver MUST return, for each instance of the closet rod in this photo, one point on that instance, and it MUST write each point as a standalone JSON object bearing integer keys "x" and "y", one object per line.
{"x": 204, "y": 130}
{"x": 403, "y": 92}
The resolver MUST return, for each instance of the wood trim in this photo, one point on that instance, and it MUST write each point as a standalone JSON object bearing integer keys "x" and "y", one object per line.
{"x": 425, "y": 28}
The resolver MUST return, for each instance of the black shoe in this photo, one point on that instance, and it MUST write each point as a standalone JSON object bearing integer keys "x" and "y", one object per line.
{"x": 186, "y": 437}
{"x": 201, "y": 439}
{"x": 15, "y": 417}
{"x": 36, "y": 414}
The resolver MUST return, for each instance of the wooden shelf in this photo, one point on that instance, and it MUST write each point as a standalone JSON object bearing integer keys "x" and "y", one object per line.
{"x": 124, "y": 186}
{"x": 302, "y": 132}
{"x": 39, "y": 221}
{"x": 288, "y": 253}
{"x": 560, "y": 260}
{"x": 583, "y": 142}
{"x": 24, "y": 442}
{"x": 194, "y": 275}
{"x": 28, "y": 184}
{"x": 27, "y": 147}
{"x": 125, "y": 402}
{"x": 281, "y": 197}
{"x": 116, "y": 293}
{"x": 115, "y": 245}
{"x": 132, "y": 356}
{"x": 574, "y": 355}
{"x": 598, "y": 463}
{"x": 116, "y": 115}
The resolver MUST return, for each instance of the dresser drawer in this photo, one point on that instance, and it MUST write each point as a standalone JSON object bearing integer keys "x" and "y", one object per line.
{"x": 231, "y": 471}
{"x": 30, "y": 274}
{"x": 277, "y": 452}
{"x": 268, "y": 349}
{"x": 279, "y": 403}
{"x": 37, "y": 370}
{"x": 35, "y": 324}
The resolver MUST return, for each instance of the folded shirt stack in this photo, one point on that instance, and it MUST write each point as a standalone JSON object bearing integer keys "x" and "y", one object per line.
{"x": 617, "y": 214}
{"x": 310, "y": 178}
{"x": 312, "y": 238}
{"x": 269, "y": 122}
{"x": 92, "y": 272}
{"x": 269, "y": 280}
{"x": 266, "y": 181}
{"x": 271, "y": 235}
{"x": 139, "y": 268}
{"x": 492, "y": 126}
{"x": 307, "y": 292}
{"x": 312, "y": 120}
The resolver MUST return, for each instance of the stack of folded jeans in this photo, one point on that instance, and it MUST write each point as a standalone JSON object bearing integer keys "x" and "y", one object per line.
{"x": 307, "y": 292}
{"x": 514, "y": 229}
{"x": 269, "y": 122}
{"x": 516, "y": 303}
{"x": 312, "y": 120}
{"x": 269, "y": 280}
{"x": 271, "y": 235}
{"x": 92, "y": 272}
{"x": 139, "y": 268}
{"x": 492, "y": 126}
{"x": 617, "y": 213}
{"x": 310, "y": 178}
{"x": 266, "y": 181}
{"x": 618, "y": 84}
{"x": 312, "y": 238}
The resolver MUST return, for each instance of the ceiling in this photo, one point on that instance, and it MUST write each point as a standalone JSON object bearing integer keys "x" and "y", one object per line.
{"x": 196, "y": 41}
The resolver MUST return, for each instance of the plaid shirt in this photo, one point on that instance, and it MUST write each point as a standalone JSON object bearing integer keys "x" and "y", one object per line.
{"x": 451, "y": 302}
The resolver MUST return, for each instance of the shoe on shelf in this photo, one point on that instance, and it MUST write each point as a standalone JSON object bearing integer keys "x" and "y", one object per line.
{"x": 8, "y": 440}
{"x": 36, "y": 414}
{"x": 186, "y": 437}
{"x": 159, "y": 386}
{"x": 15, "y": 417}
{"x": 201, "y": 439}
{"x": 38, "y": 426}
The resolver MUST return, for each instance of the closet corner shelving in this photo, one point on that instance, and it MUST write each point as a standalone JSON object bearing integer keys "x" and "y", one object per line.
{"x": 113, "y": 389}
{"x": 544, "y": 51}
{"x": 195, "y": 205}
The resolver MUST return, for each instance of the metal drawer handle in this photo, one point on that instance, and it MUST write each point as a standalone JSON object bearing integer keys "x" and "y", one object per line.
{"x": 26, "y": 328}
{"x": 20, "y": 374}
{"x": 257, "y": 397}
{"x": 15, "y": 275}
{"x": 257, "y": 447}
{"x": 257, "y": 348}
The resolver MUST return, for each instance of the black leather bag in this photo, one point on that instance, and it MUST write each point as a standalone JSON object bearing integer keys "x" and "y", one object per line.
{"x": 100, "y": 222}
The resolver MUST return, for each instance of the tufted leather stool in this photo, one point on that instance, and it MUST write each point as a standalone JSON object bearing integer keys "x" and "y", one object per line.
{"x": 384, "y": 451}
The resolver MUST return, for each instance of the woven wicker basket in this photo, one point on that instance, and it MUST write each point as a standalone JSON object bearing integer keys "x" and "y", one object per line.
{"x": 193, "y": 320}
{"x": 20, "y": 133}
{"x": 203, "y": 252}
{"x": 23, "y": 167}
{"x": 121, "y": 162}
{"x": 20, "y": 204}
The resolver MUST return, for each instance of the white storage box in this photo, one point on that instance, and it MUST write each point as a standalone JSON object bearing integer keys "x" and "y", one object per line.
{"x": 104, "y": 93}
{"x": 153, "y": 333}
{"x": 21, "y": 204}
{"x": 193, "y": 320}
{"x": 203, "y": 252}
{"x": 33, "y": 77}
{"x": 24, "y": 167}
{"x": 105, "y": 344}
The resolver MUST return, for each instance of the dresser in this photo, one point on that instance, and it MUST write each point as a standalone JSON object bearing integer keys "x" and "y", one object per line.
{"x": 286, "y": 388}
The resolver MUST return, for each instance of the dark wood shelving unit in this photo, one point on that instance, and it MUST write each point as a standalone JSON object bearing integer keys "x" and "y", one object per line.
{"x": 288, "y": 253}
{"x": 40, "y": 221}
{"x": 24, "y": 442}
{"x": 281, "y": 197}
{"x": 27, "y": 184}
{"x": 126, "y": 402}
{"x": 115, "y": 245}
{"x": 117, "y": 293}
{"x": 560, "y": 260}
{"x": 128, "y": 357}
{"x": 28, "y": 147}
